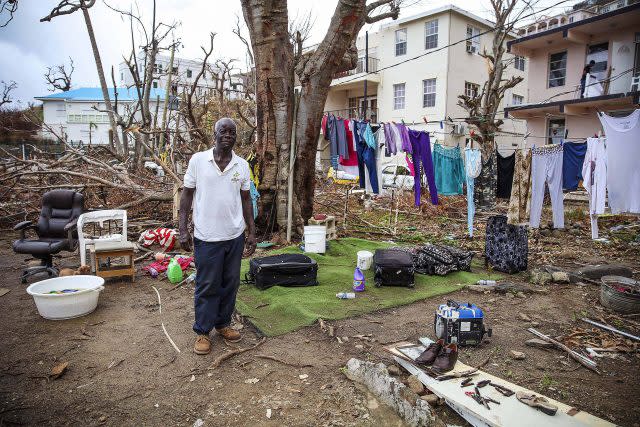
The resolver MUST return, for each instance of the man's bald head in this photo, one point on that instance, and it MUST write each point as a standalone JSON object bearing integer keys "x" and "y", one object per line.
{"x": 224, "y": 121}
{"x": 225, "y": 134}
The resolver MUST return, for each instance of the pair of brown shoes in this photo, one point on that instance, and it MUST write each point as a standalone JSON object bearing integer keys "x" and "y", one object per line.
{"x": 441, "y": 357}
{"x": 203, "y": 343}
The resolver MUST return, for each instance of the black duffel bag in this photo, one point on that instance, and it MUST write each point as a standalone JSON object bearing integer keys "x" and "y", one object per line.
{"x": 290, "y": 270}
{"x": 393, "y": 267}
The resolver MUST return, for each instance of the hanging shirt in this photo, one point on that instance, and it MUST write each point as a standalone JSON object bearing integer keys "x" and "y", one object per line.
{"x": 390, "y": 143}
{"x": 367, "y": 135}
{"x": 332, "y": 131}
{"x": 341, "y": 132}
{"x": 323, "y": 127}
{"x": 404, "y": 138}
{"x": 395, "y": 135}
{"x": 623, "y": 159}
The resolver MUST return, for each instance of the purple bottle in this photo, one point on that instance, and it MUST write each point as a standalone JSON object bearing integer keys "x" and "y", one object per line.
{"x": 358, "y": 280}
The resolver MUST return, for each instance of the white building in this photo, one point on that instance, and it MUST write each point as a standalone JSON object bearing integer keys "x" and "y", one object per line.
{"x": 418, "y": 78}
{"x": 183, "y": 75}
{"x": 73, "y": 114}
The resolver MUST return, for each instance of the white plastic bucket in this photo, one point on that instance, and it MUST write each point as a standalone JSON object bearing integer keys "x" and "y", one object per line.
{"x": 315, "y": 239}
{"x": 66, "y": 306}
{"x": 365, "y": 259}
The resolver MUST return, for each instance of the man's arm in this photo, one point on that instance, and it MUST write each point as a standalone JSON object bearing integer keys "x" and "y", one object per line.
{"x": 186, "y": 200}
{"x": 247, "y": 213}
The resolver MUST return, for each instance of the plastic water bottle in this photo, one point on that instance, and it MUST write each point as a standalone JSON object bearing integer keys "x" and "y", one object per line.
{"x": 345, "y": 295}
{"x": 358, "y": 280}
{"x": 487, "y": 282}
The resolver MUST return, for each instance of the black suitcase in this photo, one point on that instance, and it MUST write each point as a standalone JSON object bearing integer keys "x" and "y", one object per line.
{"x": 393, "y": 267}
{"x": 506, "y": 246}
{"x": 290, "y": 270}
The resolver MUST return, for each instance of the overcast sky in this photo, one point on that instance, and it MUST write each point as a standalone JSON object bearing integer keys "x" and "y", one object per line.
{"x": 28, "y": 46}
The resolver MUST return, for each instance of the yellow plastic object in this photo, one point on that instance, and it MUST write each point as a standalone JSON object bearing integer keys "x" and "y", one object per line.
{"x": 332, "y": 175}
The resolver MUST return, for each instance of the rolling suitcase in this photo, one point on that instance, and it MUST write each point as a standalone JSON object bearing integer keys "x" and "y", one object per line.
{"x": 290, "y": 270}
{"x": 393, "y": 267}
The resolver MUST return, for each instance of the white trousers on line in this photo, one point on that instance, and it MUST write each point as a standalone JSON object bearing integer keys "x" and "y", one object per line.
{"x": 546, "y": 166}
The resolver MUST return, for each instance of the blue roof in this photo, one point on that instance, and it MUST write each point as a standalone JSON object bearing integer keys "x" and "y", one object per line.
{"x": 95, "y": 94}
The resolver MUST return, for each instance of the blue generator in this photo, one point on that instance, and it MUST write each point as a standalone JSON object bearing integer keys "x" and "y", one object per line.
{"x": 458, "y": 323}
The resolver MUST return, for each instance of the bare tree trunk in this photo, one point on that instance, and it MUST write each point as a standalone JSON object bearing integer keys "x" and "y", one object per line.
{"x": 103, "y": 81}
{"x": 273, "y": 51}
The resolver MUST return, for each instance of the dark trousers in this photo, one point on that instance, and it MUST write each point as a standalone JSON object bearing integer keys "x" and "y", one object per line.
{"x": 217, "y": 282}
{"x": 367, "y": 156}
{"x": 423, "y": 164}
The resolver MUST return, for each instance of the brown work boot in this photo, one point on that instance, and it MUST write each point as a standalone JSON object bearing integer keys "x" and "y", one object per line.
{"x": 429, "y": 355}
{"x": 202, "y": 345}
{"x": 446, "y": 360}
{"x": 229, "y": 334}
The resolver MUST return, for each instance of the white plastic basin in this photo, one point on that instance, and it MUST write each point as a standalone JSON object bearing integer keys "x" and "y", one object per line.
{"x": 66, "y": 306}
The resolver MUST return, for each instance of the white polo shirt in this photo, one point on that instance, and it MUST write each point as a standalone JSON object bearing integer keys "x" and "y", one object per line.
{"x": 217, "y": 206}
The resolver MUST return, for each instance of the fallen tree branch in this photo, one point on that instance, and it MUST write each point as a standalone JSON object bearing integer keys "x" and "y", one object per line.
{"x": 275, "y": 359}
{"x": 233, "y": 353}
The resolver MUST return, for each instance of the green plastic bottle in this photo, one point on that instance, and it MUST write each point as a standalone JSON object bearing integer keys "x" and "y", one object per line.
{"x": 174, "y": 271}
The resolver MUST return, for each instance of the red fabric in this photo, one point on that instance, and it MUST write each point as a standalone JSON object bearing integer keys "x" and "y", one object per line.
{"x": 353, "y": 156}
{"x": 161, "y": 266}
{"x": 324, "y": 124}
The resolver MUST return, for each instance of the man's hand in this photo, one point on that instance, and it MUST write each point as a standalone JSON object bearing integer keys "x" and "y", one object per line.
{"x": 250, "y": 244}
{"x": 185, "y": 241}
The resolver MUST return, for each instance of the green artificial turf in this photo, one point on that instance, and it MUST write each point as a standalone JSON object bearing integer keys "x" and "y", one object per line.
{"x": 279, "y": 310}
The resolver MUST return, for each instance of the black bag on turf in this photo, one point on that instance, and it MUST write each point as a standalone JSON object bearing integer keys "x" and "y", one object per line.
{"x": 393, "y": 267}
{"x": 290, "y": 270}
{"x": 507, "y": 246}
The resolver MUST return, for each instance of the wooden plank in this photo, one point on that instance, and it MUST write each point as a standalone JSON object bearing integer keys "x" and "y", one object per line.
{"x": 510, "y": 412}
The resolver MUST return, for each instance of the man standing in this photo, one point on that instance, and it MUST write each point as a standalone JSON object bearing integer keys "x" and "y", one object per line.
{"x": 585, "y": 73}
{"x": 222, "y": 211}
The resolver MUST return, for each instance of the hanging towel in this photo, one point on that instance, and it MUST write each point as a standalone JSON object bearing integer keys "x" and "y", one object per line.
{"x": 572, "y": 160}
{"x": 520, "y": 202}
{"x": 404, "y": 137}
{"x": 505, "y": 175}
{"x": 448, "y": 169}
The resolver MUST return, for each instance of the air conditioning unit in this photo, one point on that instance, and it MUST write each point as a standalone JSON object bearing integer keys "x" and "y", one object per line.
{"x": 471, "y": 48}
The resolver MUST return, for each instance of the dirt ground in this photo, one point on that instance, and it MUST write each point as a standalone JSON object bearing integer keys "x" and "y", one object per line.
{"x": 123, "y": 371}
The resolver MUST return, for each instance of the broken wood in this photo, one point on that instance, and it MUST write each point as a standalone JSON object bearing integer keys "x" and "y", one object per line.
{"x": 233, "y": 353}
{"x": 587, "y": 363}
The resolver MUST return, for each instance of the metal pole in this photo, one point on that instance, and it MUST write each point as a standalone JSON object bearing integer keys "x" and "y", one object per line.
{"x": 366, "y": 70}
{"x": 296, "y": 101}
{"x": 166, "y": 98}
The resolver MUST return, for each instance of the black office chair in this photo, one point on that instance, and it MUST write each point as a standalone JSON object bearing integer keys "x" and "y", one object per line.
{"x": 56, "y": 230}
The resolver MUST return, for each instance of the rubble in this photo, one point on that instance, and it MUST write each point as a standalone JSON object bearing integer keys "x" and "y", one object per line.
{"x": 413, "y": 410}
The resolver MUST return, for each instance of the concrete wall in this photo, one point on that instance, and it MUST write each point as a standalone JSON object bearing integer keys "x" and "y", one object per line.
{"x": 619, "y": 59}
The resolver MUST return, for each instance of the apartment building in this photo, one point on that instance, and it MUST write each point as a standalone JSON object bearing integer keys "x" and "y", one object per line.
{"x": 75, "y": 113}
{"x": 183, "y": 74}
{"x": 558, "y": 49}
{"x": 411, "y": 75}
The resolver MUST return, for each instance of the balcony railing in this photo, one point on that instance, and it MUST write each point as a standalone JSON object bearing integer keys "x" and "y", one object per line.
{"x": 370, "y": 114}
{"x": 360, "y": 68}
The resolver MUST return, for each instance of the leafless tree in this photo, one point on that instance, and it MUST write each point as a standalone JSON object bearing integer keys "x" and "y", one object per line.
{"x": 144, "y": 71}
{"x": 483, "y": 108}
{"x": 276, "y": 62}
{"x": 7, "y": 9}
{"x": 58, "y": 78}
{"x": 6, "y": 92}
{"x": 67, "y": 7}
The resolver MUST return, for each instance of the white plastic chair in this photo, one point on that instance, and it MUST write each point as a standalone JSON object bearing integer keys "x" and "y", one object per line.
{"x": 99, "y": 218}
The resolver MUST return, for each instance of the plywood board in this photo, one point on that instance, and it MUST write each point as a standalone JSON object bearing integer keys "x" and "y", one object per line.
{"x": 510, "y": 412}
